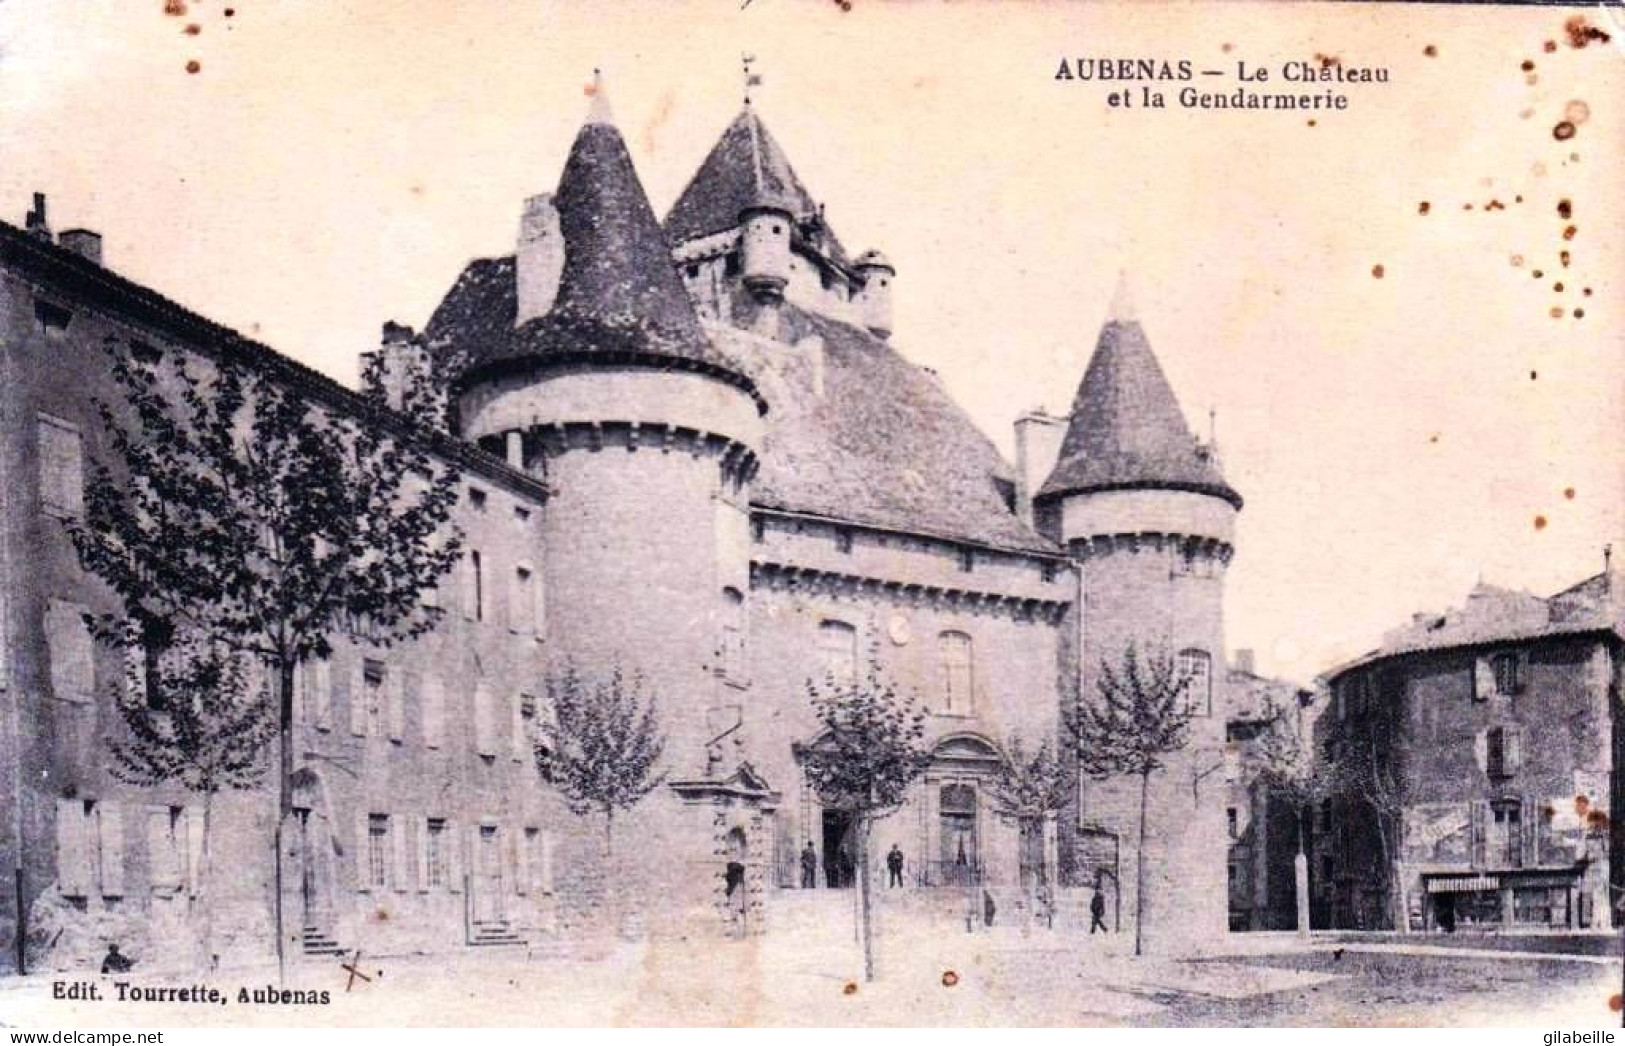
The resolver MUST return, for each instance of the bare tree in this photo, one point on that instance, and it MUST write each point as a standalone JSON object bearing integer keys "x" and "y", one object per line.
{"x": 1139, "y": 718}
{"x": 197, "y": 716}
{"x": 1367, "y": 775}
{"x": 1289, "y": 770}
{"x": 870, "y": 752}
{"x": 1032, "y": 784}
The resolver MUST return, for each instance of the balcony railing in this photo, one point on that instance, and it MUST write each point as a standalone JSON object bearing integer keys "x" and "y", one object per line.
{"x": 952, "y": 873}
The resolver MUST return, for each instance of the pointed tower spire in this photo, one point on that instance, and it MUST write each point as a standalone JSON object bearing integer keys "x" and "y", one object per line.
{"x": 1122, "y": 307}
{"x": 598, "y": 110}
{"x": 1127, "y": 431}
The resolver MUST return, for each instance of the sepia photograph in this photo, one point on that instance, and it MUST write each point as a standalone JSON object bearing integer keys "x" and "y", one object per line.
{"x": 811, "y": 513}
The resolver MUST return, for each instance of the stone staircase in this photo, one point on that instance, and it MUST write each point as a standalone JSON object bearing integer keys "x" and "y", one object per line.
{"x": 495, "y": 934}
{"x": 318, "y": 942}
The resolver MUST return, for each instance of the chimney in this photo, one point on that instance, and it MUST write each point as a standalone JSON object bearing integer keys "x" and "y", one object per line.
{"x": 538, "y": 258}
{"x": 401, "y": 357}
{"x": 1038, "y": 444}
{"x": 35, "y": 221}
{"x": 1244, "y": 662}
{"x": 83, "y": 242}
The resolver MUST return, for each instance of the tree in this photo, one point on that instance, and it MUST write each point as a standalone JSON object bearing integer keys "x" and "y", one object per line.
{"x": 239, "y": 510}
{"x": 603, "y": 746}
{"x": 1030, "y": 786}
{"x": 1139, "y": 719}
{"x": 871, "y": 749}
{"x": 1288, "y": 769}
{"x": 194, "y": 715}
{"x": 1366, "y": 774}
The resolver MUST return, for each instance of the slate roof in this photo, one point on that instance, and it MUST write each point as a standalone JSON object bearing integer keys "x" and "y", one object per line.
{"x": 746, "y": 168}
{"x": 884, "y": 444}
{"x": 1127, "y": 431}
{"x": 620, "y": 296}
{"x": 1493, "y": 615}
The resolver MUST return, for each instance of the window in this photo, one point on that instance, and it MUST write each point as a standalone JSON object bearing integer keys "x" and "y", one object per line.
{"x": 524, "y": 725}
{"x": 730, "y": 264}
{"x": 521, "y": 513}
{"x": 955, "y": 654}
{"x": 476, "y": 498}
{"x": 372, "y": 696}
{"x": 692, "y": 270}
{"x": 475, "y": 605}
{"x": 967, "y": 560}
{"x": 1196, "y": 666}
{"x": 434, "y": 852}
{"x": 313, "y": 693}
{"x": 1508, "y": 668}
{"x": 843, "y": 539}
{"x": 758, "y": 530}
{"x": 61, "y": 467}
{"x": 1506, "y": 834}
{"x": 1232, "y": 822}
{"x": 1502, "y": 751}
{"x": 733, "y": 636}
{"x": 377, "y": 853}
{"x": 838, "y": 652}
{"x": 1048, "y": 571}
{"x": 73, "y": 664}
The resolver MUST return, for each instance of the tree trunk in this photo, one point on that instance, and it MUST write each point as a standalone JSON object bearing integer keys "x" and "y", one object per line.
{"x": 1139, "y": 866}
{"x": 284, "y": 803}
{"x": 865, "y": 902}
{"x": 205, "y": 880}
{"x": 1300, "y": 880}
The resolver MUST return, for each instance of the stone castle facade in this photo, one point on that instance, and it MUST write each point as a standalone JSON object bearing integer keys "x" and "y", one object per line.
{"x": 690, "y": 449}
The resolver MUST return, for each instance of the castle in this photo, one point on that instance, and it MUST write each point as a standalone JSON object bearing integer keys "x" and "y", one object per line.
{"x": 690, "y": 449}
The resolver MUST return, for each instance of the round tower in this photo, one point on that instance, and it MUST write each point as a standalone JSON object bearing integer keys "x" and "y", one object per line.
{"x": 764, "y": 248}
{"x": 648, "y": 438}
{"x": 874, "y": 301}
{"x": 1144, "y": 509}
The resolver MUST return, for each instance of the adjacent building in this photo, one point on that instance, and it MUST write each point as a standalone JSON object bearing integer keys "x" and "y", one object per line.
{"x": 1480, "y": 746}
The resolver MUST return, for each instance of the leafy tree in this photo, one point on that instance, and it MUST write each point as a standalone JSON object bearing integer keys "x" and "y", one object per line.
{"x": 238, "y": 509}
{"x": 872, "y": 748}
{"x": 194, "y": 715}
{"x": 603, "y": 747}
{"x": 1032, "y": 784}
{"x": 1139, "y": 718}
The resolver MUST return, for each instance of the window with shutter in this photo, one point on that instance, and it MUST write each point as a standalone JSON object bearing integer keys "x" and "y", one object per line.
{"x": 358, "y": 699}
{"x": 474, "y": 581}
{"x": 73, "y": 652}
{"x": 73, "y": 860}
{"x": 395, "y": 691}
{"x": 484, "y": 726}
{"x": 61, "y": 467}
{"x": 436, "y": 840}
{"x": 1508, "y": 670}
{"x": 110, "y": 821}
{"x": 319, "y": 693}
{"x": 400, "y": 872}
{"x": 377, "y": 851}
{"x": 1197, "y": 666}
{"x": 433, "y": 698}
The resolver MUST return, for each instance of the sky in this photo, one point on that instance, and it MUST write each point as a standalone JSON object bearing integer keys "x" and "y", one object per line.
{"x": 1398, "y": 437}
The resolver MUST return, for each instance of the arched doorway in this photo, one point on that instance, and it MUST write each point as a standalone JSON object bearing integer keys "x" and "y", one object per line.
{"x": 736, "y": 891}
{"x": 959, "y": 854}
{"x": 312, "y": 824}
{"x": 954, "y": 831}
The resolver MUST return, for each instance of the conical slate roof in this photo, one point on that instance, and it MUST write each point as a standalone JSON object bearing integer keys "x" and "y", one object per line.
{"x": 619, "y": 293}
{"x": 746, "y": 168}
{"x": 1127, "y": 431}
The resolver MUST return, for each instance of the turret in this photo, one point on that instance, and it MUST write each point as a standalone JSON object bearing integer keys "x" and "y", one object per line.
{"x": 648, "y": 436}
{"x": 764, "y": 247}
{"x": 874, "y": 300}
{"x": 1144, "y": 509}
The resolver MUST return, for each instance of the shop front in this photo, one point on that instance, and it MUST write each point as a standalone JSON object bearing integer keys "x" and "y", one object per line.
{"x": 1517, "y": 899}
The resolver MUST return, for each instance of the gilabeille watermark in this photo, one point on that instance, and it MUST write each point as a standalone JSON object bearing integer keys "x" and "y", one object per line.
{"x": 1555, "y": 1038}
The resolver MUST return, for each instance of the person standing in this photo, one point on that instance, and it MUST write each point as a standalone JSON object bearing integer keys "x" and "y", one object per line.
{"x": 894, "y": 865}
{"x": 809, "y": 866}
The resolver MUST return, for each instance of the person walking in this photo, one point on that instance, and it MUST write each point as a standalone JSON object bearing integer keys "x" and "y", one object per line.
{"x": 1097, "y": 912}
{"x": 894, "y": 865}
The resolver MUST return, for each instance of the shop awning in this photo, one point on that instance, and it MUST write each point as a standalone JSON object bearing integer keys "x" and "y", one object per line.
{"x": 1463, "y": 883}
